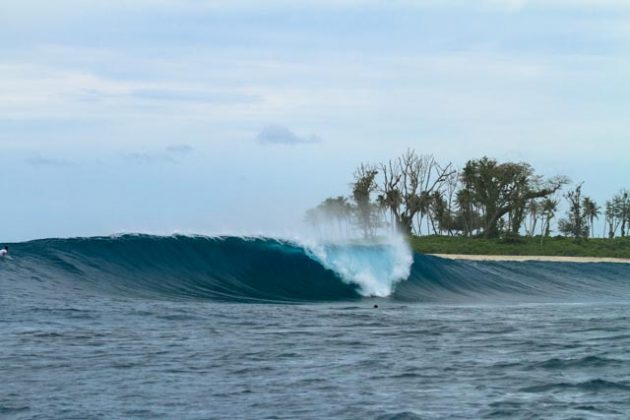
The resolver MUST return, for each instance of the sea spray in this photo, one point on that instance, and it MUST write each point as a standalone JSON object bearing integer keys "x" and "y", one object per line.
{"x": 376, "y": 266}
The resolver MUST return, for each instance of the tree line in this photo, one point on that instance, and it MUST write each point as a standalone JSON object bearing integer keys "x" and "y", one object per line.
{"x": 417, "y": 195}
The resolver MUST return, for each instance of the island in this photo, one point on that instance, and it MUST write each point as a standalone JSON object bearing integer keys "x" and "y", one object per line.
{"x": 485, "y": 209}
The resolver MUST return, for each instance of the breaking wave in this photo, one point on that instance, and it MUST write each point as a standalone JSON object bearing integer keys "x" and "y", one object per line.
{"x": 238, "y": 269}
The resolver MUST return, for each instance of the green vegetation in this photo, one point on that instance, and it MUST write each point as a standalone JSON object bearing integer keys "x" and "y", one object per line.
{"x": 531, "y": 246}
{"x": 487, "y": 207}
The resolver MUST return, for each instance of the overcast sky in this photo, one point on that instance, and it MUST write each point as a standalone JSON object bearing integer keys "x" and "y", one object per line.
{"x": 234, "y": 117}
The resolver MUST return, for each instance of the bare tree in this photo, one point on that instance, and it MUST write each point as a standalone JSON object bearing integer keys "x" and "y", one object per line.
{"x": 405, "y": 181}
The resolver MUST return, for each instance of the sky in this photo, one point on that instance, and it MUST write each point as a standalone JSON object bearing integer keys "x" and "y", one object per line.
{"x": 234, "y": 117}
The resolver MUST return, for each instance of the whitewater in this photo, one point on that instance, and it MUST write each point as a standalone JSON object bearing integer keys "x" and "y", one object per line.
{"x": 142, "y": 326}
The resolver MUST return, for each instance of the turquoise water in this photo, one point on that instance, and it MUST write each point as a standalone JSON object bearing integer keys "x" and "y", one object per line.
{"x": 195, "y": 328}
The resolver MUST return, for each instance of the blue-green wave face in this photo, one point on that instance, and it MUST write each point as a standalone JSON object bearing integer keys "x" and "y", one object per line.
{"x": 268, "y": 270}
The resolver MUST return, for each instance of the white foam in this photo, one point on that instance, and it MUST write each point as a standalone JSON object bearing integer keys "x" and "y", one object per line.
{"x": 375, "y": 266}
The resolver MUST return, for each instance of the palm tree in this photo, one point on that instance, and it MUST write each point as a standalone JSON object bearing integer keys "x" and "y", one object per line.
{"x": 465, "y": 203}
{"x": 533, "y": 208}
{"x": 333, "y": 211}
{"x": 549, "y": 207}
{"x": 424, "y": 204}
{"x": 591, "y": 211}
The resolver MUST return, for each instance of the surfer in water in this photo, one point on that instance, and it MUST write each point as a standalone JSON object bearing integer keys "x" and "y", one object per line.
{"x": 4, "y": 251}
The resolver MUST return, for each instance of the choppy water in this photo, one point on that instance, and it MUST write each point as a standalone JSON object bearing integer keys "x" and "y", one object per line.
{"x": 87, "y": 336}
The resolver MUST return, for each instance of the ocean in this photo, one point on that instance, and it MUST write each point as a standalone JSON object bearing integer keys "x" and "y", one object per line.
{"x": 139, "y": 326}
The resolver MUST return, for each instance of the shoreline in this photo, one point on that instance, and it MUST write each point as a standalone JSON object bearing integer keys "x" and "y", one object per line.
{"x": 541, "y": 258}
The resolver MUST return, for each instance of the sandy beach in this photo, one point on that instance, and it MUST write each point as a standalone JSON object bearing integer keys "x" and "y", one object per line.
{"x": 532, "y": 258}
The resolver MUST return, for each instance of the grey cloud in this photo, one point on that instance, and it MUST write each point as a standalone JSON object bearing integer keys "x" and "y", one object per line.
{"x": 170, "y": 154}
{"x": 41, "y": 160}
{"x": 143, "y": 157}
{"x": 278, "y": 134}
{"x": 180, "y": 149}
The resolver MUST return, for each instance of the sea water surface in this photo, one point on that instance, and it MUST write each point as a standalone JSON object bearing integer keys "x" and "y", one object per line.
{"x": 195, "y": 328}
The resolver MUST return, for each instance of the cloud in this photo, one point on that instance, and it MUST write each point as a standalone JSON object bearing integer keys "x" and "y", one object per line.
{"x": 279, "y": 134}
{"x": 180, "y": 149}
{"x": 144, "y": 157}
{"x": 170, "y": 154}
{"x": 40, "y": 160}
{"x": 35, "y": 90}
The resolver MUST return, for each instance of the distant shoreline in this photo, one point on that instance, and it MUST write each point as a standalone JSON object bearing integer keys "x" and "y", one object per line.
{"x": 558, "y": 249}
{"x": 533, "y": 258}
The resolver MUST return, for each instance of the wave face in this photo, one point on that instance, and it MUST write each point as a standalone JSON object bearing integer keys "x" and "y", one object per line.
{"x": 268, "y": 270}
{"x": 435, "y": 279}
